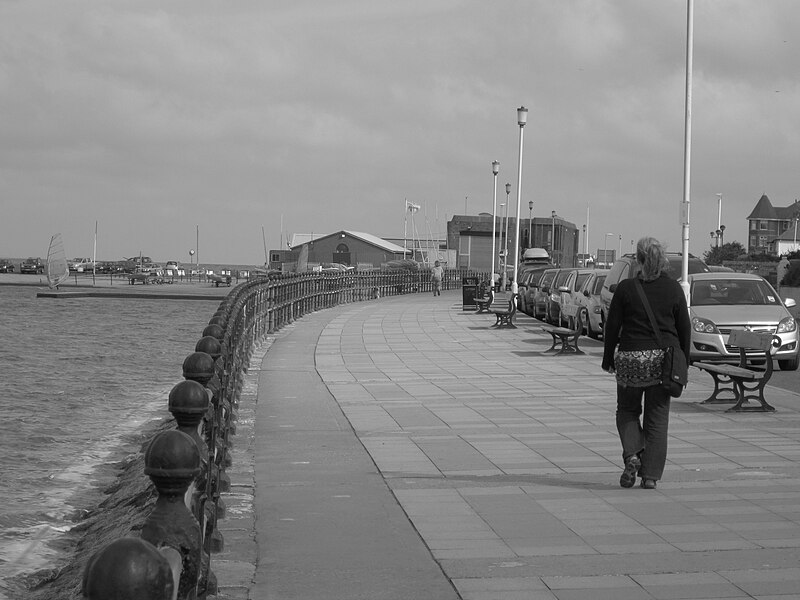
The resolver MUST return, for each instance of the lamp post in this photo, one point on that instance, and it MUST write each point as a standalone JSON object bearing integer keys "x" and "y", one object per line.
{"x": 719, "y": 210}
{"x": 553, "y": 236}
{"x": 495, "y": 171}
{"x": 504, "y": 275}
{"x": 191, "y": 263}
{"x": 530, "y": 223}
{"x": 605, "y": 250}
{"x": 522, "y": 119}
{"x": 722, "y": 235}
{"x": 619, "y": 252}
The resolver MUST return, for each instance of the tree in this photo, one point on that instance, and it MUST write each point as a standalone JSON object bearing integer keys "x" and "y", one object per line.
{"x": 718, "y": 254}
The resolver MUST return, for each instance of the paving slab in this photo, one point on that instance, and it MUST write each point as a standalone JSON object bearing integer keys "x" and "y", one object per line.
{"x": 404, "y": 448}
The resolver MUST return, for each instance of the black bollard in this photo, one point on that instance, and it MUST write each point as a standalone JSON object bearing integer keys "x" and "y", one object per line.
{"x": 128, "y": 569}
{"x": 172, "y": 462}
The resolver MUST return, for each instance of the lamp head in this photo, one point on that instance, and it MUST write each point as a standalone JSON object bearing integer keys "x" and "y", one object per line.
{"x": 508, "y": 188}
{"x": 530, "y": 204}
{"x": 553, "y": 214}
{"x": 495, "y": 167}
{"x": 522, "y": 116}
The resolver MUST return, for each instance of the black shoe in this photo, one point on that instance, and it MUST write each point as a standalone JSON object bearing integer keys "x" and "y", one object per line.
{"x": 632, "y": 466}
{"x": 648, "y": 484}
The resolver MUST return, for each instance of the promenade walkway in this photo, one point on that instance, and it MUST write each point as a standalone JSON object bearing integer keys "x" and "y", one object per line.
{"x": 404, "y": 449}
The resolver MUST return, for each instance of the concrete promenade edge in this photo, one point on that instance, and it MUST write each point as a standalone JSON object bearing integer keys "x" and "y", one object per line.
{"x": 403, "y": 448}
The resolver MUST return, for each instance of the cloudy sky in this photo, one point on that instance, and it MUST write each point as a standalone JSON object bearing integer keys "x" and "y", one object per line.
{"x": 161, "y": 120}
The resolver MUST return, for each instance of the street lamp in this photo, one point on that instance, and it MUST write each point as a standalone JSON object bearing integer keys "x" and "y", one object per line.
{"x": 530, "y": 223}
{"x": 605, "y": 250}
{"x": 504, "y": 274}
{"x": 495, "y": 171}
{"x": 722, "y": 235}
{"x": 553, "y": 236}
{"x": 522, "y": 119}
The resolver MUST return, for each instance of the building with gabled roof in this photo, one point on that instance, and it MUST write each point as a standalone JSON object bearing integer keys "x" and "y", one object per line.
{"x": 768, "y": 224}
{"x": 345, "y": 247}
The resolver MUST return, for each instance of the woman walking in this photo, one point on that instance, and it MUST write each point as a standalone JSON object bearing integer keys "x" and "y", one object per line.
{"x": 632, "y": 352}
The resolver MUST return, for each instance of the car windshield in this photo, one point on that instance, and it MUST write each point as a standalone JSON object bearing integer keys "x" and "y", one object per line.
{"x": 732, "y": 292}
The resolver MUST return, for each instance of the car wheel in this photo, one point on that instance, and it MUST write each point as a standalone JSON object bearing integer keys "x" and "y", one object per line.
{"x": 789, "y": 364}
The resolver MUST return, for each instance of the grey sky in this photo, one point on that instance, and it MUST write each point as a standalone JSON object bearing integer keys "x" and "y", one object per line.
{"x": 156, "y": 118}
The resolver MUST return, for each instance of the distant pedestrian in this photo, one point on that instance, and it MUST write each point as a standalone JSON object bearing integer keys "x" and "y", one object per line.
{"x": 632, "y": 352}
{"x": 437, "y": 274}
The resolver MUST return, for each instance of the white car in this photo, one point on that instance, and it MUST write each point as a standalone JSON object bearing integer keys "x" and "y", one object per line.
{"x": 81, "y": 264}
{"x": 720, "y": 302}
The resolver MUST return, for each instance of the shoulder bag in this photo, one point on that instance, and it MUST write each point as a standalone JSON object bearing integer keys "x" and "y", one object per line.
{"x": 674, "y": 369}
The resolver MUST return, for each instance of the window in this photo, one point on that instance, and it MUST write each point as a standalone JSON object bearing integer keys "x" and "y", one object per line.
{"x": 762, "y": 240}
{"x": 763, "y": 225}
{"x": 753, "y": 224}
{"x": 275, "y": 257}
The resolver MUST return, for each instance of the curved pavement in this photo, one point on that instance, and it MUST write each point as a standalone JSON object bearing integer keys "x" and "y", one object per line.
{"x": 403, "y": 448}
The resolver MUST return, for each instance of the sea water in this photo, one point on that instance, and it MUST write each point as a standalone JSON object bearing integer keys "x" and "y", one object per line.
{"x": 77, "y": 378}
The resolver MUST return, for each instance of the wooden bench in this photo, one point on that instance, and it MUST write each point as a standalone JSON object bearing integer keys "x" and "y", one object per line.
{"x": 505, "y": 315}
{"x": 743, "y": 383}
{"x": 568, "y": 336}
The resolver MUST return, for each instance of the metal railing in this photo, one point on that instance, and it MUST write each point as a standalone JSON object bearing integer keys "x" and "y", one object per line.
{"x": 171, "y": 557}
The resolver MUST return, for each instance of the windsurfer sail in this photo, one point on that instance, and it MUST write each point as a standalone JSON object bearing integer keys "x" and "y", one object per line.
{"x": 57, "y": 269}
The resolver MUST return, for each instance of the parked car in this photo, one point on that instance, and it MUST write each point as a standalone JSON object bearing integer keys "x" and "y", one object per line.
{"x": 80, "y": 265}
{"x": 571, "y": 291}
{"x": 626, "y": 266}
{"x": 720, "y": 302}
{"x": 541, "y": 294}
{"x": 554, "y": 300}
{"x": 6, "y": 266}
{"x": 529, "y": 276}
{"x": 32, "y": 265}
{"x": 522, "y": 290}
{"x": 589, "y": 299}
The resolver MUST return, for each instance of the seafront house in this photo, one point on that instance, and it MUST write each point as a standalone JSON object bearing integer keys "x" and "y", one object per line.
{"x": 772, "y": 229}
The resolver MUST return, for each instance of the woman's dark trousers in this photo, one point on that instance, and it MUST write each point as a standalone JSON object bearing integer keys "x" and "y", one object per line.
{"x": 646, "y": 437}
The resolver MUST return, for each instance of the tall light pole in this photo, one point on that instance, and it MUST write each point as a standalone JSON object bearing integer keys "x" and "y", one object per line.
{"x": 530, "y": 223}
{"x": 522, "y": 119}
{"x": 719, "y": 210}
{"x": 619, "y": 252}
{"x": 495, "y": 171}
{"x": 553, "y": 237}
{"x": 504, "y": 274}
{"x": 605, "y": 250}
{"x": 687, "y": 150}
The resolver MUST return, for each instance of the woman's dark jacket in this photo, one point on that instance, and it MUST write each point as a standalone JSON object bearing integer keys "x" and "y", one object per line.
{"x": 627, "y": 323}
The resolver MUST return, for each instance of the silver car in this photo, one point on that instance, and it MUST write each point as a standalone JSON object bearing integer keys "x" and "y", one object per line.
{"x": 720, "y": 302}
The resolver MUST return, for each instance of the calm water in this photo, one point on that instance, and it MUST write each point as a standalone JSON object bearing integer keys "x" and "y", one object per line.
{"x": 79, "y": 376}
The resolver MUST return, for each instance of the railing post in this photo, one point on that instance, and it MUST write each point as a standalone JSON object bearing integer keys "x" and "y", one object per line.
{"x": 130, "y": 569}
{"x": 172, "y": 462}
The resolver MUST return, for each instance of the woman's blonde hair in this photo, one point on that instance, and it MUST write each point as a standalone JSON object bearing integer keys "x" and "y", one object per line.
{"x": 651, "y": 256}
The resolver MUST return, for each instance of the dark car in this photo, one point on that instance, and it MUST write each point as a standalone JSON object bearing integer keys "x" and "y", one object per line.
{"x": 6, "y": 266}
{"x": 626, "y": 266}
{"x": 541, "y": 294}
{"x": 32, "y": 265}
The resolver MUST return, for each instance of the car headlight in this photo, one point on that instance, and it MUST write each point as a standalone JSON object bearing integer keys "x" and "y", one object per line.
{"x": 786, "y": 325}
{"x": 704, "y": 325}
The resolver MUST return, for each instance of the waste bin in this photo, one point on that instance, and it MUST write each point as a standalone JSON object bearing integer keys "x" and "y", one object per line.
{"x": 469, "y": 287}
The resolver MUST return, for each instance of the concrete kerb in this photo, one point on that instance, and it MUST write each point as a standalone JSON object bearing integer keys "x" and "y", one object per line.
{"x": 502, "y": 461}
